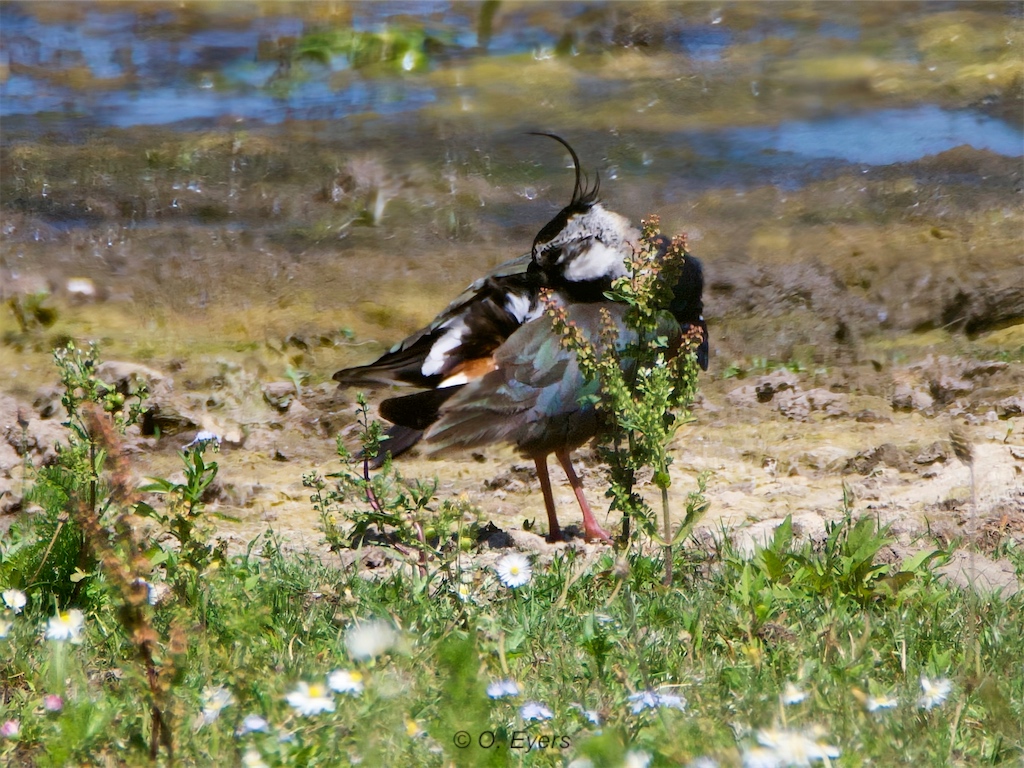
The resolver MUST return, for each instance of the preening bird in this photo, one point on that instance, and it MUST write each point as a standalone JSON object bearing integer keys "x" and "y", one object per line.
{"x": 491, "y": 369}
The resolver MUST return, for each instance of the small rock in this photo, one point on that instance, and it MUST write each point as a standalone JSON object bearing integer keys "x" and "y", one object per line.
{"x": 127, "y": 377}
{"x": 975, "y": 368}
{"x": 9, "y": 459}
{"x": 374, "y": 557}
{"x": 279, "y": 394}
{"x": 935, "y": 452}
{"x": 168, "y": 418}
{"x": 826, "y": 457}
{"x": 799, "y": 405}
{"x": 1010, "y": 407}
{"x": 48, "y": 403}
{"x": 743, "y": 396}
{"x": 865, "y": 462}
{"x": 10, "y": 502}
{"x": 777, "y": 381}
{"x": 38, "y": 439}
{"x": 907, "y": 398}
{"x": 871, "y": 417}
{"x": 946, "y": 388}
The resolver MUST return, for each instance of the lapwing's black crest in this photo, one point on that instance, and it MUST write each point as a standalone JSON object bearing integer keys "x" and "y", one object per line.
{"x": 582, "y": 198}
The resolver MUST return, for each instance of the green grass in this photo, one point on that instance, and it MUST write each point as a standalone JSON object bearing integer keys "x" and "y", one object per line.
{"x": 727, "y": 637}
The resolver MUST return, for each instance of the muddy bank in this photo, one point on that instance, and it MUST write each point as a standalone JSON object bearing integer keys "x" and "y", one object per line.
{"x": 866, "y": 264}
{"x": 774, "y": 444}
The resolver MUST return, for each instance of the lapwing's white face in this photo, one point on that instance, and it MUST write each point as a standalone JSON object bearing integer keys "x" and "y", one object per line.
{"x": 587, "y": 243}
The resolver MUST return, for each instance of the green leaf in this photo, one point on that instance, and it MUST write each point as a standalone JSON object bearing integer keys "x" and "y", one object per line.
{"x": 920, "y": 560}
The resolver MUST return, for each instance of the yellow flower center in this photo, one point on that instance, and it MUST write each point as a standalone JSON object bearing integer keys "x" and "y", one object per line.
{"x": 316, "y": 691}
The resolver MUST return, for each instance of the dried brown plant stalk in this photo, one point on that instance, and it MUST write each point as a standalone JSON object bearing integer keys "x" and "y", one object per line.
{"x": 117, "y": 550}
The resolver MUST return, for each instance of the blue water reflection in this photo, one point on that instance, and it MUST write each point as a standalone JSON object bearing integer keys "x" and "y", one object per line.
{"x": 880, "y": 137}
{"x": 114, "y": 67}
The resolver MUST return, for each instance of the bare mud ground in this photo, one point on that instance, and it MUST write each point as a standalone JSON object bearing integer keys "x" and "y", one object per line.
{"x": 775, "y": 444}
{"x": 854, "y": 322}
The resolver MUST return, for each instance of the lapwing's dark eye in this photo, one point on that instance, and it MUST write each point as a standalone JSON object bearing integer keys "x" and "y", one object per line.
{"x": 550, "y": 255}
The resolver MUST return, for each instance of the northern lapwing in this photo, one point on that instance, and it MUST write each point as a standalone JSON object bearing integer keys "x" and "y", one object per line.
{"x": 491, "y": 369}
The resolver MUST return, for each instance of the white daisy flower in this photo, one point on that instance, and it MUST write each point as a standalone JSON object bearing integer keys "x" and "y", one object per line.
{"x": 795, "y": 747}
{"x": 499, "y": 689}
{"x": 252, "y": 759}
{"x": 310, "y": 699}
{"x": 215, "y": 698}
{"x": 934, "y": 692}
{"x": 370, "y": 639}
{"x": 655, "y": 700}
{"x": 66, "y": 625}
{"x": 344, "y": 681}
{"x": 671, "y": 701}
{"x": 204, "y": 436}
{"x": 875, "y": 703}
{"x": 14, "y": 599}
{"x": 253, "y": 724}
{"x": 760, "y": 757}
{"x": 792, "y": 695}
{"x": 636, "y": 759}
{"x": 534, "y": 710}
{"x": 702, "y": 762}
{"x": 592, "y": 715}
{"x": 514, "y": 570}
{"x": 643, "y": 700}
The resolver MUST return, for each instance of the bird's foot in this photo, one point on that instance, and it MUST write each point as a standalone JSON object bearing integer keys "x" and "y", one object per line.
{"x": 594, "y": 532}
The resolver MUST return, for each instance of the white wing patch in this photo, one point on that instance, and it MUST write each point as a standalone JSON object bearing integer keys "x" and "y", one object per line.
{"x": 438, "y": 353}
{"x": 454, "y": 380}
{"x": 522, "y": 308}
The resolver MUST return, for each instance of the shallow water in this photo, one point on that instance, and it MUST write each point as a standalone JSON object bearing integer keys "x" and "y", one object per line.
{"x": 74, "y": 67}
{"x": 879, "y": 137}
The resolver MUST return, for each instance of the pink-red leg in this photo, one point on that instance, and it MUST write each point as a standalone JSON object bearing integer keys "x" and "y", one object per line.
{"x": 554, "y": 530}
{"x": 591, "y": 529}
